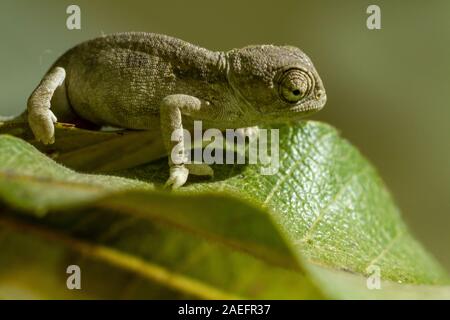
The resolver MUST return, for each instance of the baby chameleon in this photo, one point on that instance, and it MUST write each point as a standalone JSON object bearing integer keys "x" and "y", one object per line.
{"x": 147, "y": 81}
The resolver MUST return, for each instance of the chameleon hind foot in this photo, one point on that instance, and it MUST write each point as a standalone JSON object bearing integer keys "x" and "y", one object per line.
{"x": 179, "y": 174}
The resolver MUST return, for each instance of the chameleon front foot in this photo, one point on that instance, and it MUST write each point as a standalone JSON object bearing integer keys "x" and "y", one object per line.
{"x": 41, "y": 122}
{"x": 178, "y": 177}
{"x": 40, "y": 118}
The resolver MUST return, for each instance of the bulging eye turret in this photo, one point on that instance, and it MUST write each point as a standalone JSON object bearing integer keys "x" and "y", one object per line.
{"x": 294, "y": 85}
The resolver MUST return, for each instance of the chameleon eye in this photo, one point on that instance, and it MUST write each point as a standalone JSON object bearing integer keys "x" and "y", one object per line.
{"x": 294, "y": 85}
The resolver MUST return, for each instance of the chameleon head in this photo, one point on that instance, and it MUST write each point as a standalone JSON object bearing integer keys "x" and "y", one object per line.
{"x": 279, "y": 82}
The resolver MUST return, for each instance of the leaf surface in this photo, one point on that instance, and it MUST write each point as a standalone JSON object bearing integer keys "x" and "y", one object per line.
{"x": 313, "y": 230}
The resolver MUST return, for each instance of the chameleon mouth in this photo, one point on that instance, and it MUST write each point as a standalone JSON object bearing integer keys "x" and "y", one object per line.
{"x": 303, "y": 110}
{"x": 315, "y": 103}
{"x": 312, "y": 105}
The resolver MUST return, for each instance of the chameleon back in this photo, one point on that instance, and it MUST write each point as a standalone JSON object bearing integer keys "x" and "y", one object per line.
{"x": 120, "y": 80}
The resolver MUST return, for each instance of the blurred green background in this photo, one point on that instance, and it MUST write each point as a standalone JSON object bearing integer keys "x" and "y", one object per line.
{"x": 388, "y": 90}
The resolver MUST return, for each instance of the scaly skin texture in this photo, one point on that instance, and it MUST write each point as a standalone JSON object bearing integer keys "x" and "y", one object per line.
{"x": 155, "y": 82}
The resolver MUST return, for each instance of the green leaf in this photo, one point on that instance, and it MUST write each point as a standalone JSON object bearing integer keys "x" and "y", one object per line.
{"x": 344, "y": 285}
{"x": 30, "y": 180}
{"x": 310, "y": 231}
{"x": 86, "y": 149}
{"x": 150, "y": 245}
{"x": 330, "y": 201}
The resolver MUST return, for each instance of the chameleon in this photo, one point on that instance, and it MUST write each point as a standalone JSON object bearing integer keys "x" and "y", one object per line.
{"x": 148, "y": 81}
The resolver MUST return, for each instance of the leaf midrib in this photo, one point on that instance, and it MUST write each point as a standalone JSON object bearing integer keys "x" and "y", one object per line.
{"x": 121, "y": 260}
{"x": 272, "y": 258}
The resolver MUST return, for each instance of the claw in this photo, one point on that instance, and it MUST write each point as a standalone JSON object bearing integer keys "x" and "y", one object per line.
{"x": 54, "y": 119}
